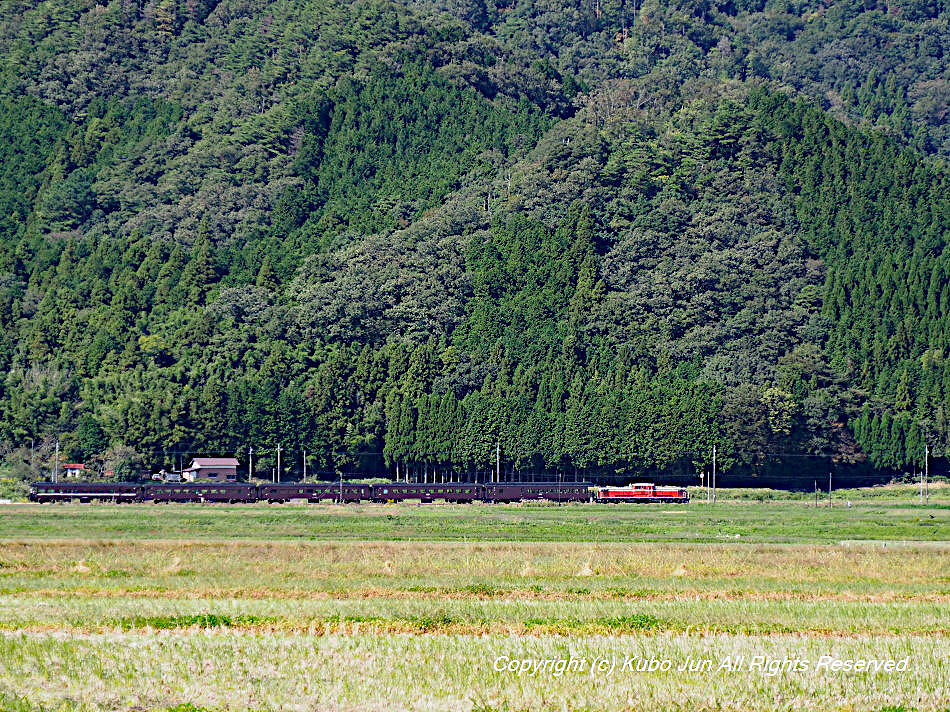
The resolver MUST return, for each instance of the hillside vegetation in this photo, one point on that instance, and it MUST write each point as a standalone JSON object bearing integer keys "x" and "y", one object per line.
{"x": 604, "y": 235}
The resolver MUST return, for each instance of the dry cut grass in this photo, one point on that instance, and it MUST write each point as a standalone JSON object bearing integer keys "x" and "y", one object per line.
{"x": 425, "y": 613}
{"x": 193, "y": 625}
{"x": 476, "y": 570}
{"x": 247, "y": 670}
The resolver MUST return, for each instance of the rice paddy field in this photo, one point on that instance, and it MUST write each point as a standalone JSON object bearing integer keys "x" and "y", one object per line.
{"x": 741, "y": 605}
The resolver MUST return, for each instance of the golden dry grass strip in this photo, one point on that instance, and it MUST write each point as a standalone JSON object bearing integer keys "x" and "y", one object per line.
{"x": 244, "y": 670}
{"x": 306, "y": 568}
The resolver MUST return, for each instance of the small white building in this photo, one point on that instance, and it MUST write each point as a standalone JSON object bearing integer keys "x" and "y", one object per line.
{"x": 215, "y": 469}
{"x": 74, "y": 469}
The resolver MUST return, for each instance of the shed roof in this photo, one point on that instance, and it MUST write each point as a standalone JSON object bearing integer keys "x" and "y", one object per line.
{"x": 213, "y": 462}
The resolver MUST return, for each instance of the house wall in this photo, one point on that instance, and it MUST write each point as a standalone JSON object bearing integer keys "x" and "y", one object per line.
{"x": 215, "y": 473}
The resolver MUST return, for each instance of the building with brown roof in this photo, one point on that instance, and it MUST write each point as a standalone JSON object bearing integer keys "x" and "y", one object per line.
{"x": 215, "y": 469}
{"x": 73, "y": 469}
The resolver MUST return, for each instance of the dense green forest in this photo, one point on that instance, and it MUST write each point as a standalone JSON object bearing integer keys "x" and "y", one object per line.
{"x": 602, "y": 236}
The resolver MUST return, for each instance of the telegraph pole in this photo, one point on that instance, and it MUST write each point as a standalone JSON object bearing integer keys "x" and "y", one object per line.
{"x": 816, "y": 494}
{"x": 714, "y": 475}
{"x": 927, "y": 473}
{"x": 305, "y": 464}
{"x": 497, "y": 462}
{"x": 277, "y": 473}
{"x": 56, "y": 463}
{"x": 250, "y": 463}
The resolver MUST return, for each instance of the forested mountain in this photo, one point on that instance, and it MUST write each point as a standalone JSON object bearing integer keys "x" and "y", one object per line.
{"x": 605, "y": 235}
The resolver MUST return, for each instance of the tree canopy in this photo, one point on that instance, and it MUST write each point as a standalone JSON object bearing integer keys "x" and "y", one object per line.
{"x": 393, "y": 234}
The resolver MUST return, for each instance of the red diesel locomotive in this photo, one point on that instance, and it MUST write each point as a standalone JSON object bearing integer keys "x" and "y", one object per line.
{"x": 644, "y": 493}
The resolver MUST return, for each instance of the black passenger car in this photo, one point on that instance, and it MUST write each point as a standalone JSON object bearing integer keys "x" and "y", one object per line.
{"x": 199, "y": 492}
{"x": 445, "y": 492}
{"x": 527, "y": 491}
{"x": 313, "y": 492}
{"x": 84, "y": 491}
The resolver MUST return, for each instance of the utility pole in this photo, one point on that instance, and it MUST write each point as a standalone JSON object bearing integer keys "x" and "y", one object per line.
{"x": 250, "y": 463}
{"x": 497, "y": 462}
{"x": 927, "y": 473}
{"x": 305, "y": 464}
{"x": 816, "y": 494}
{"x": 56, "y": 463}
{"x": 714, "y": 475}
{"x": 277, "y": 472}
{"x": 830, "y": 503}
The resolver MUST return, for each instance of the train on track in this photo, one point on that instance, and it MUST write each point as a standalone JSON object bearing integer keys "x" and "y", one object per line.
{"x": 643, "y": 493}
{"x": 346, "y": 493}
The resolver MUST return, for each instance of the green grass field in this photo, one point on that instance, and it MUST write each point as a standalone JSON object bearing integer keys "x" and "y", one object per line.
{"x": 698, "y": 522}
{"x": 190, "y": 607}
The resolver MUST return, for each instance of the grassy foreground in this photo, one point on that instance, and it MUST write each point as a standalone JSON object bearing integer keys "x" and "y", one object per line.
{"x": 241, "y": 669}
{"x": 189, "y": 608}
{"x": 742, "y": 521}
